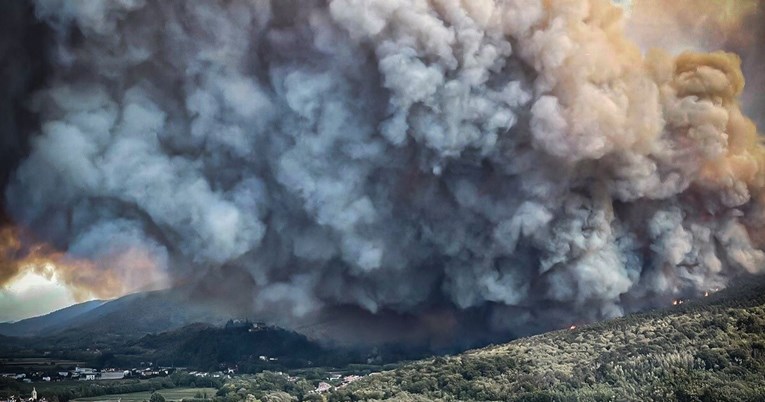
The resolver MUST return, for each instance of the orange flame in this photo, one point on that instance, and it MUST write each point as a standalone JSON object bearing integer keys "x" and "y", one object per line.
{"x": 84, "y": 278}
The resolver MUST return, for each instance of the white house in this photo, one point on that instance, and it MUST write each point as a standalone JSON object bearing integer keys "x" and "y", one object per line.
{"x": 115, "y": 375}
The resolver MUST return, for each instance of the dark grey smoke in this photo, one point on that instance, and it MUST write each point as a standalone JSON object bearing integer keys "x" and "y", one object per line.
{"x": 513, "y": 163}
{"x": 23, "y": 67}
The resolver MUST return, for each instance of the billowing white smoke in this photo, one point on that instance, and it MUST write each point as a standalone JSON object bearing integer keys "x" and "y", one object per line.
{"x": 521, "y": 156}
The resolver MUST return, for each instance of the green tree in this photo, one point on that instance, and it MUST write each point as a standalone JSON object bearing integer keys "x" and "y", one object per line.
{"x": 156, "y": 397}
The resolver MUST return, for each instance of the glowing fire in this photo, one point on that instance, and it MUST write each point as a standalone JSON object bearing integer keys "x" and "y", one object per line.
{"x": 709, "y": 292}
{"x": 84, "y": 278}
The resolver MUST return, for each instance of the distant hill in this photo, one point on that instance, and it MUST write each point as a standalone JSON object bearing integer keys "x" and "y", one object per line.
{"x": 8, "y": 343}
{"x": 49, "y": 322}
{"x": 707, "y": 350}
{"x": 169, "y": 327}
{"x": 208, "y": 348}
{"x": 129, "y": 316}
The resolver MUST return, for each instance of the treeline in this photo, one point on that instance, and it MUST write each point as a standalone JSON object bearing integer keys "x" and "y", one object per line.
{"x": 208, "y": 348}
{"x": 712, "y": 349}
{"x": 68, "y": 390}
{"x": 214, "y": 348}
{"x": 265, "y": 384}
{"x": 251, "y": 350}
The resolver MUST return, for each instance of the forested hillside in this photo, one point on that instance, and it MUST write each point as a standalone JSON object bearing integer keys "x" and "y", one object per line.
{"x": 712, "y": 349}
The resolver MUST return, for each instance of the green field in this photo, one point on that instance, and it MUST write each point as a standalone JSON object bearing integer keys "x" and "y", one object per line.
{"x": 36, "y": 363}
{"x": 175, "y": 394}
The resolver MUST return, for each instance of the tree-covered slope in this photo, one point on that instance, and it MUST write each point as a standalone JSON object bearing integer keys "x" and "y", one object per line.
{"x": 712, "y": 349}
{"x": 207, "y": 348}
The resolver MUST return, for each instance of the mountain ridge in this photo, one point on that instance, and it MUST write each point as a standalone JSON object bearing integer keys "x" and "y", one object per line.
{"x": 133, "y": 315}
{"x": 35, "y": 325}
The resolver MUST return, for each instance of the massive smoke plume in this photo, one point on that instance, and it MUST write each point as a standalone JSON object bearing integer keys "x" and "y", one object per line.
{"x": 521, "y": 159}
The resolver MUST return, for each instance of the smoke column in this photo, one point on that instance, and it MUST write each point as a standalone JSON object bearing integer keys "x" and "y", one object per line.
{"x": 522, "y": 159}
{"x": 732, "y": 25}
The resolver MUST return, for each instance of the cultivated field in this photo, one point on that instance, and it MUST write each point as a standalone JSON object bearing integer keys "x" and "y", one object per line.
{"x": 36, "y": 363}
{"x": 175, "y": 394}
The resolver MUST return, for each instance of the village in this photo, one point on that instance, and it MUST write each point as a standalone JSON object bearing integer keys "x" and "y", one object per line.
{"x": 338, "y": 380}
{"x": 95, "y": 375}
{"x": 89, "y": 374}
{"x": 70, "y": 373}
{"x": 32, "y": 398}
{"x": 332, "y": 381}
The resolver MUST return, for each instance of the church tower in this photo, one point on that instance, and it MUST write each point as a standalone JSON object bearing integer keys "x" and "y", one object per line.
{"x": 34, "y": 393}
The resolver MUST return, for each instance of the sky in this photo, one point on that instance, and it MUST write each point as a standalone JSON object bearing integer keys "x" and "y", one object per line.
{"x": 32, "y": 295}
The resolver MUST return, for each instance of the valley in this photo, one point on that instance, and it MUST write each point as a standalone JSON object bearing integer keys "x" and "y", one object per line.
{"x": 712, "y": 348}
